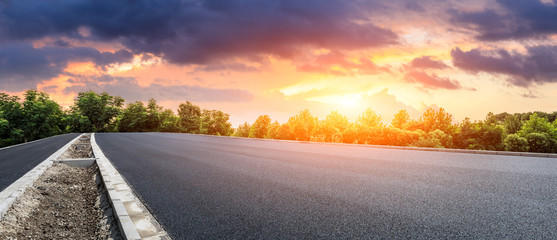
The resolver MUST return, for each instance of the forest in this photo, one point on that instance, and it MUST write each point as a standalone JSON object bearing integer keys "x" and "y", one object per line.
{"x": 37, "y": 116}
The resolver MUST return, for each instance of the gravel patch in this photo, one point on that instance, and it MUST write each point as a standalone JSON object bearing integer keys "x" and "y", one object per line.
{"x": 64, "y": 203}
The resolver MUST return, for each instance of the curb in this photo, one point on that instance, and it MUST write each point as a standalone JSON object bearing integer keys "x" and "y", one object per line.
{"x": 134, "y": 219}
{"x": 9, "y": 195}
{"x": 448, "y": 150}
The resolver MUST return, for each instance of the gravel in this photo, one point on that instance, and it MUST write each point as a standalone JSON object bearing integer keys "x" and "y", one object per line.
{"x": 64, "y": 203}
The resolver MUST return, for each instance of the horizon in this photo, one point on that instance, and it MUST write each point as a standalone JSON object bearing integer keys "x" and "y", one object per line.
{"x": 276, "y": 58}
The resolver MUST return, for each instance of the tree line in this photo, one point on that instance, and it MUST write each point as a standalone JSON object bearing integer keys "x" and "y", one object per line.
{"x": 37, "y": 116}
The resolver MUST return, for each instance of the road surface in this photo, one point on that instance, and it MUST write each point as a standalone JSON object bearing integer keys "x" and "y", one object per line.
{"x": 203, "y": 187}
{"x": 17, "y": 160}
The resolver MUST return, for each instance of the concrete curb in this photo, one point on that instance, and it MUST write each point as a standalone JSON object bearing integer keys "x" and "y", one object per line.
{"x": 16, "y": 189}
{"x": 448, "y": 150}
{"x": 134, "y": 219}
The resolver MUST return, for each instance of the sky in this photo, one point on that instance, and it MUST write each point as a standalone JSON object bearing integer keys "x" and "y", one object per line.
{"x": 254, "y": 57}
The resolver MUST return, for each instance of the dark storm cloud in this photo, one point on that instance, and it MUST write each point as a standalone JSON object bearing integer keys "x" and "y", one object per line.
{"x": 425, "y": 62}
{"x": 22, "y": 66}
{"x": 198, "y": 31}
{"x": 517, "y": 19}
{"x": 431, "y": 81}
{"x": 129, "y": 89}
{"x": 538, "y": 65}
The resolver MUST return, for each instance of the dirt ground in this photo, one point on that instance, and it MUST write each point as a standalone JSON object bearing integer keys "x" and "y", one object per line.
{"x": 64, "y": 203}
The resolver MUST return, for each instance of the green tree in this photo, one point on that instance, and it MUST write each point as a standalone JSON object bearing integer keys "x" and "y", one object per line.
{"x": 214, "y": 122}
{"x": 190, "y": 117}
{"x": 512, "y": 123}
{"x": 516, "y": 143}
{"x": 134, "y": 118}
{"x": 440, "y": 119}
{"x": 242, "y": 130}
{"x": 100, "y": 110}
{"x": 333, "y": 127}
{"x": 285, "y": 132}
{"x": 260, "y": 127}
{"x": 369, "y": 127}
{"x": 12, "y": 119}
{"x": 272, "y": 133}
{"x": 401, "y": 119}
{"x": 169, "y": 121}
{"x": 154, "y": 120}
{"x": 538, "y": 142}
{"x": 42, "y": 117}
{"x": 302, "y": 125}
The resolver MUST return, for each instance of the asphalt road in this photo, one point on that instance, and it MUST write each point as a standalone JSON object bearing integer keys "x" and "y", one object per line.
{"x": 202, "y": 187}
{"x": 17, "y": 160}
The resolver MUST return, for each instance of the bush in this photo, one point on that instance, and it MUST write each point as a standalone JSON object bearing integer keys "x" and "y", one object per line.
{"x": 538, "y": 142}
{"x": 516, "y": 143}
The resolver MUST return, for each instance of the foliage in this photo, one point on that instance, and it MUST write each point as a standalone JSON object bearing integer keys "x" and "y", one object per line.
{"x": 302, "y": 126}
{"x": 190, "y": 117}
{"x": 215, "y": 122}
{"x": 242, "y": 130}
{"x": 516, "y": 143}
{"x": 100, "y": 111}
{"x": 134, "y": 118}
{"x": 260, "y": 127}
{"x": 400, "y": 120}
{"x": 37, "y": 116}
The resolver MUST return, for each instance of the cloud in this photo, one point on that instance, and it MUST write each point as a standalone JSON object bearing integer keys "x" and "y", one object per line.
{"x": 425, "y": 62}
{"x": 22, "y": 66}
{"x": 199, "y": 32}
{"x": 129, "y": 89}
{"x": 336, "y": 63}
{"x": 538, "y": 65}
{"x": 516, "y": 19}
{"x": 387, "y": 105}
{"x": 237, "y": 67}
{"x": 431, "y": 81}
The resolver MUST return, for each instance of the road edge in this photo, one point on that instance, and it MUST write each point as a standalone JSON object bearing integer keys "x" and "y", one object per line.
{"x": 37, "y": 140}
{"x": 449, "y": 150}
{"x": 134, "y": 219}
{"x": 9, "y": 195}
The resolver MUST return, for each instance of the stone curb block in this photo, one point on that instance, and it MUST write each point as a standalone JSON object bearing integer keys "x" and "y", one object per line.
{"x": 12, "y": 192}
{"x": 124, "y": 202}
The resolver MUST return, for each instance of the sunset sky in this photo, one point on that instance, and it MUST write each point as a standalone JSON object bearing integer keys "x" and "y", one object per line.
{"x": 254, "y": 57}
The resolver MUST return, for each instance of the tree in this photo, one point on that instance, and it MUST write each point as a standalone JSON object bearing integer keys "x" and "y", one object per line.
{"x": 369, "y": 126}
{"x": 11, "y": 118}
{"x": 214, "y": 122}
{"x": 134, "y": 118}
{"x": 242, "y": 130}
{"x": 512, "y": 123}
{"x": 440, "y": 119}
{"x": 43, "y": 117}
{"x": 260, "y": 127}
{"x": 401, "y": 119}
{"x": 99, "y": 109}
{"x": 516, "y": 143}
{"x": 302, "y": 125}
{"x": 169, "y": 121}
{"x": 154, "y": 120}
{"x": 333, "y": 127}
{"x": 538, "y": 142}
{"x": 190, "y": 117}
{"x": 273, "y": 131}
